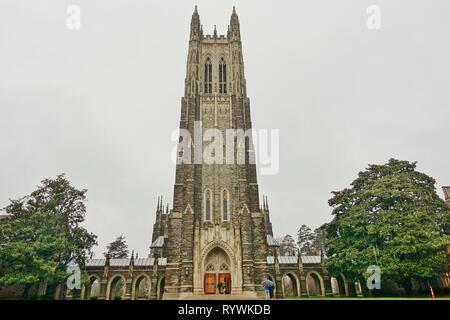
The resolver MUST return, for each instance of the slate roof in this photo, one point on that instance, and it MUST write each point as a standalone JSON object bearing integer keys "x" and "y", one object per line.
{"x": 140, "y": 262}
{"x": 271, "y": 241}
{"x": 293, "y": 259}
{"x": 95, "y": 262}
{"x": 158, "y": 243}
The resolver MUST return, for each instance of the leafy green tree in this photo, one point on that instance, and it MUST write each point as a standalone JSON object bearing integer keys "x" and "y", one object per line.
{"x": 42, "y": 234}
{"x": 305, "y": 238}
{"x": 391, "y": 217}
{"x": 118, "y": 249}
{"x": 288, "y": 246}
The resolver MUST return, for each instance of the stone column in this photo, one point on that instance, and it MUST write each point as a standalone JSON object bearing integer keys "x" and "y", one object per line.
{"x": 173, "y": 256}
{"x": 303, "y": 291}
{"x": 260, "y": 252}
{"x": 42, "y": 290}
{"x": 58, "y": 292}
{"x": 128, "y": 286}
{"x": 278, "y": 279}
{"x": 358, "y": 289}
{"x": 279, "y": 286}
{"x": 154, "y": 288}
{"x": 83, "y": 292}
{"x": 103, "y": 288}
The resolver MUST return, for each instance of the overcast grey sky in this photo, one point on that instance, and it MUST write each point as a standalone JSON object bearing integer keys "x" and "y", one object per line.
{"x": 100, "y": 103}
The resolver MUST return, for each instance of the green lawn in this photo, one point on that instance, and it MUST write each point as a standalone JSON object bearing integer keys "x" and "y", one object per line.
{"x": 368, "y": 298}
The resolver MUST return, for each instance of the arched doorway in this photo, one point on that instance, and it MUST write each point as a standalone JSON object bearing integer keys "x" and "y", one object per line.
{"x": 116, "y": 288}
{"x": 92, "y": 290}
{"x": 314, "y": 284}
{"x": 290, "y": 285}
{"x": 141, "y": 288}
{"x": 217, "y": 276}
{"x": 341, "y": 286}
{"x": 160, "y": 288}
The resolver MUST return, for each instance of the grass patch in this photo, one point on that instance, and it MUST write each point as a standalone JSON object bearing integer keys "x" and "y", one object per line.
{"x": 368, "y": 298}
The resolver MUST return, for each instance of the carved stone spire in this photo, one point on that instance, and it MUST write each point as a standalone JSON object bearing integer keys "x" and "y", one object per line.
{"x": 195, "y": 25}
{"x": 234, "y": 33}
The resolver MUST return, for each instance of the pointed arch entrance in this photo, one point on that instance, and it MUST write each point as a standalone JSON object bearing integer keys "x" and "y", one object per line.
{"x": 314, "y": 284}
{"x": 217, "y": 274}
{"x": 290, "y": 285}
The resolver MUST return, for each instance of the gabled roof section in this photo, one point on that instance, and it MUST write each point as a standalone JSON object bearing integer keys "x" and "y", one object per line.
{"x": 158, "y": 243}
{"x": 272, "y": 242}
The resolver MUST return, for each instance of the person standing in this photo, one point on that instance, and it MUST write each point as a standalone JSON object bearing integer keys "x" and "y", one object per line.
{"x": 267, "y": 285}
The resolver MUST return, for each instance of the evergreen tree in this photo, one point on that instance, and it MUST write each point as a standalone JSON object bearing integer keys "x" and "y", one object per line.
{"x": 288, "y": 246}
{"x": 391, "y": 216}
{"x": 305, "y": 238}
{"x": 320, "y": 238}
{"x": 118, "y": 249}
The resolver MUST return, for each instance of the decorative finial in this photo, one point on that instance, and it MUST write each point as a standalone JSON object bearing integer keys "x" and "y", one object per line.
{"x": 299, "y": 259}
{"x": 132, "y": 261}
{"x": 215, "y": 31}
{"x": 167, "y": 208}
{"x": 234, "y": 22}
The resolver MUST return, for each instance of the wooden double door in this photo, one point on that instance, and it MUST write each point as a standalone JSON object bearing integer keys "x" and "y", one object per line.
{"x": 212, "y": 280}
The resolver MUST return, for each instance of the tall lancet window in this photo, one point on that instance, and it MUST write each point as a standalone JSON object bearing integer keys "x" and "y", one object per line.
{"x": 208, "y": 76}
{"x": 225, "y": 205}
{"x": 208, "y": 204}
{"x": 222, "y": 76}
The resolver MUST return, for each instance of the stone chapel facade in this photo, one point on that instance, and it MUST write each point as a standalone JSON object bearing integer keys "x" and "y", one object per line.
{"x": 217, "y": 230}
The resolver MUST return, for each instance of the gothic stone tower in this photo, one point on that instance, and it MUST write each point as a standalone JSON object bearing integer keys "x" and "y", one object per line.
{"x": 216, "y": 230}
